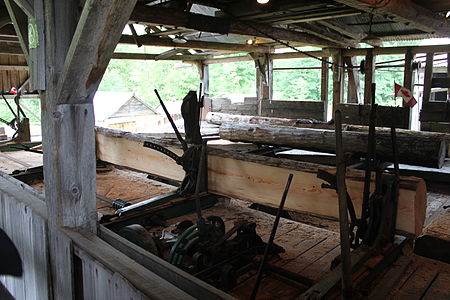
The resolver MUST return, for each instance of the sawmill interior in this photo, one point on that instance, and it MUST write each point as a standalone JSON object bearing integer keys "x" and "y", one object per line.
{"x": 339, "y": 197}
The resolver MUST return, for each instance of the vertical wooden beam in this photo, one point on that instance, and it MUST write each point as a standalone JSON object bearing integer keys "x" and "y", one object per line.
{"x": 264, "y": 77}
{"x": 354, "y": 86}
{"x": 408, "y": 71}
{"x": 37, "y": 58}
{"x": 448, "y": 74}
{"x": 77, "y": 51}
{"x": 203, "y": 72}
{"x": 369, "y": 72}
{"x": 408, "y": 76}
{"x": 427, "y": 78}
{"x": 338, "y": 78}
{"x": 324, "y": 79}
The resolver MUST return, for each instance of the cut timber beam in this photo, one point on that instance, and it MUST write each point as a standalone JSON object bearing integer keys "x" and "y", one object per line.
{"x": 404, "y": 11}
{"x": 412, "y": 149}
{"x": 260, "y": 179}
{"x": 177, "y": 18}
{"x": 193, "y": 44}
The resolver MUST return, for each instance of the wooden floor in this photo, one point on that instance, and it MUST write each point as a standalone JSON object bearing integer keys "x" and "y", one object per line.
{"x": 309, "y": 249}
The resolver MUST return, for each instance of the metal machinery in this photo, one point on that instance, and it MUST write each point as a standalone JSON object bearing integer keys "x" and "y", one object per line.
{"x": 20, "y": 123}
{"x": 204, "y": 248}
{"x": 372, "y": 235}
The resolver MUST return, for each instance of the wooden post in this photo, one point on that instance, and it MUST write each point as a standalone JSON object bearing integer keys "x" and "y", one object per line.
{"x": 369, "y": 72}
{"x": 408, "y": 72}
{"x": 264, "y": 77}
{"x": 408, "y": 79}
{"x": 77, "y": 51}
{"x": 203, "y": 73}
{"x": 448, "y": 74}
{"x": 324, "y": 79}
{"x": 354, "y": 88}
{"x": 427, "y": 78}
{"x": 338, "y": 75}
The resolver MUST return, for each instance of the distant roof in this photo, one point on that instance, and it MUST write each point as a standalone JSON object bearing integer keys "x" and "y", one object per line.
{"x": 107, "y": 104}
{"x": 174, "y": 107}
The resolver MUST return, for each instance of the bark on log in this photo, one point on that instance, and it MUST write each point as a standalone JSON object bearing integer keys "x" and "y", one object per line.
{"x": 417, "y": 150}
{"x": 222, "y": 118}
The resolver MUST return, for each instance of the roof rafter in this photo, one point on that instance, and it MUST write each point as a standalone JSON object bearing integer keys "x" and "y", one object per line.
{"x": 193, "y": 44}
{"x": 171, "y": 17}
{"x": 403, "y": 11}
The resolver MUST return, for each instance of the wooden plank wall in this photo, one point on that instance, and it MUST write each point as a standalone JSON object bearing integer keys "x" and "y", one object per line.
{"x": 387, "y": 116}
{"x": 22, "y": 217}
{"x": 9, "y": 78}
{"x": 270, "y": 108}
{"x": 106, "y": 273}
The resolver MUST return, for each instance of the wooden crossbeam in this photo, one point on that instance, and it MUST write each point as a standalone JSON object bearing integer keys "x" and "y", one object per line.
{"x": 147, "y": 56}
{"x": 20, "y": 23}
{"x": 177, "y": 18}
{"x": 26, "y": 6}
{"x": 82, "y": 73}
{"x": 193, "y": 44}
{"x": 404, "y": 11}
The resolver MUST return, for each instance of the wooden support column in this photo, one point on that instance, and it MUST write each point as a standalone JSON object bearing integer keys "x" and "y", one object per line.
{"x": 427, "y": 78}
{"x": 203, "y": 73}
{"x": 448, "y": 74}
{"x": 369, "y": 72}
{"x": 408, "y": 76}
{"x": 338, "y": 78}
{"x": 264, "y": 77}
{"x": 324, "y": 79}
{"x": 77, "y": 51}
{"x": 354, "y": 87}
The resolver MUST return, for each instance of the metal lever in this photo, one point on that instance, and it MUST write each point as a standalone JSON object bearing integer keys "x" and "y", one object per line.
{"x": 180, "y": 138}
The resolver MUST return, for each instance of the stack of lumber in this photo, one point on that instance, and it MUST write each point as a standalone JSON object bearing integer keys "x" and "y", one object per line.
{"x": 260, "y": 179}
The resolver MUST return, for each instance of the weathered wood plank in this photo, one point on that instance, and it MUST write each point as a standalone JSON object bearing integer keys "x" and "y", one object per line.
{"x": 113, "y": 273}
{"x": 22, "y": 217}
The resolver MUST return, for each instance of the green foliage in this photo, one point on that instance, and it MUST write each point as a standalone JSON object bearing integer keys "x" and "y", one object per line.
{"x": 232, "y": 78}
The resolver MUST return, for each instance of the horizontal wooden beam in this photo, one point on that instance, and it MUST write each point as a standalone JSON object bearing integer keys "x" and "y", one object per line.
{"x": 404, "y": 11}
{"x": 146, "y": 56}
{"x": 260, "y": 179}
{"x": 11, "y": 48}
{"x": 193, "y": 44}
{"x": 345, "y": 52}
{"x": 177, "y": 18}
{"x": 8, "y": 30}
{"x": 13, "y": 68}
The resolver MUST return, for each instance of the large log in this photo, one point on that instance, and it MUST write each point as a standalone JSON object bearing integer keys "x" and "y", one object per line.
{"x": 260, "y": 179}
{"x": 417, "y": 150}
{"x": 223, "y": 118}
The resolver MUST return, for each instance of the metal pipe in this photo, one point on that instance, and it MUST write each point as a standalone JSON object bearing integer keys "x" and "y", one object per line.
{"x": 272, "y": 237}
{"x": 177, "y": 133}
{"x": 200, "y": 174}
{"x": 346, "y": 264}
